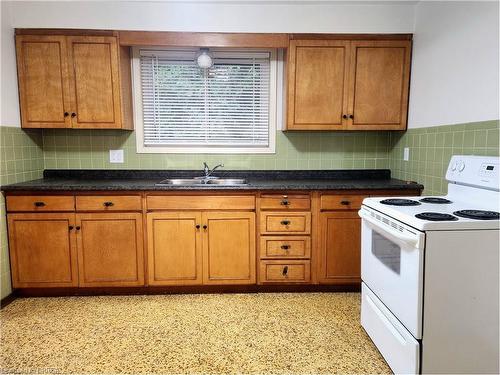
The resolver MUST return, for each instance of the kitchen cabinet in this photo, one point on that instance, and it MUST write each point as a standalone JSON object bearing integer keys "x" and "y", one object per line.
{"x": 73, "y": 82}
{"x": 229, "y": 248}
{"x": 174, "y": 248}
{"x": 43, "y": 250}
{"x": 110, "y": 249}
{"x": 348, "y": 84}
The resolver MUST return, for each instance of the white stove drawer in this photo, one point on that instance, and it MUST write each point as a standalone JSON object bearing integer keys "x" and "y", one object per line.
{"x": 399, "y": 348}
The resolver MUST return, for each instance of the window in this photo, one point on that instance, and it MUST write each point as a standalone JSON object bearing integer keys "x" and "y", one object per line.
{"x": 228, "y": 108}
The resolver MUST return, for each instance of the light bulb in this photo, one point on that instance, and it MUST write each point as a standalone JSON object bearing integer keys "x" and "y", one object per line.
{"x": 204, "y": 60}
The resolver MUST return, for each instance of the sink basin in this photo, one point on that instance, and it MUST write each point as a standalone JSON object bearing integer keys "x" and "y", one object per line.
{"x": 201, "y": 182}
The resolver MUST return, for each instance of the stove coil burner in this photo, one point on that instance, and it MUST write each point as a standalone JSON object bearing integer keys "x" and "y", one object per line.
{"x": 436, "y": 216}
{"x": 478, "y": 214}
{"x": 400, "y": 202}
{"x": 435, "y": 200}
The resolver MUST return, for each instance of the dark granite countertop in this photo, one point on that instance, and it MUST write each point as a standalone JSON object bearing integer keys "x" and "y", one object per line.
{"x": 145, "y": 180}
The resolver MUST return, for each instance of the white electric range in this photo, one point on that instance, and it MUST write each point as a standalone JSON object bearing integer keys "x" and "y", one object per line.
{"x": 430, "y": 272}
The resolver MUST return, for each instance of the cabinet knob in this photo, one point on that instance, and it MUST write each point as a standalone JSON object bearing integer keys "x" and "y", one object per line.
{"x": 39, "y": 204}
{"x": 77, "y": 228}
{"x": 351, "y": 116}
{"x": 66, "y": 114}
{"x": 285, "y": 222}
{"x": 73, "y": 114}
{"x": 285, "y": 202}
{"x": 71, "y": 227}
{"x": 344, "y": 116}
{"x": 345, "y": 203}
{"x": 285, "y": 270}
{"x": 205, "y": 227}
{"x": 108, "y": 204}
{"x": 285, "y": 247}
{"x": 197, "y": 226}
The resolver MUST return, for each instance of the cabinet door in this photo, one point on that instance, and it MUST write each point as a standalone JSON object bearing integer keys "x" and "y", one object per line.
{"x": 229, "y": 248}
{"x": 174, "y": 248}
{"x": 42, "y": 250}
{"x": 317, "y": 84}
{"x": 43, "y": 84}
{"x": 379, "y": 84}
{"x": 340, "y": 248}
{"x": 110, "y": 249}
{"x": 94, "y": 80}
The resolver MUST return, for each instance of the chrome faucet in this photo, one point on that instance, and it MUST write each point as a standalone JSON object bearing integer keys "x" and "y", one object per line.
{"x": 208, "y": 171}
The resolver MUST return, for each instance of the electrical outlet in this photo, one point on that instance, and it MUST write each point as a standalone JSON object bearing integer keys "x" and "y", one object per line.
{"x": 406, "y": 154}
{"x": 116, "y": 156}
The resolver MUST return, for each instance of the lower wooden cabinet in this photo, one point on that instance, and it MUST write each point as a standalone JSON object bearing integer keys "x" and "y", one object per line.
{"x": 211, "y": 247}
{"x": 174, "y": 248}
{"x": 43, "y": 250}
{"x": 110, "y": 249}
{"x": 229, "y": 248}
{"x": 340, "y": 248}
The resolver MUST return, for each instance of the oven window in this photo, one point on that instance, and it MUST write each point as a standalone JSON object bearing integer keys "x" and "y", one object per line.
{"x": 387, "y": 252}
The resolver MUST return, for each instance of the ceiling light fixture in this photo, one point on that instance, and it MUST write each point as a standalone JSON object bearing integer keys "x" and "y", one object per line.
{"x": 204, "y": 59}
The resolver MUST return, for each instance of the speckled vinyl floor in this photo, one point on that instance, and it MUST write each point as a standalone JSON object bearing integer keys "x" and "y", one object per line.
{"x": 313, "y": 333}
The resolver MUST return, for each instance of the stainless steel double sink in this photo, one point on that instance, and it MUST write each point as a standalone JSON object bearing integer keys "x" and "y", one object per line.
{"x": 203, "y": 181}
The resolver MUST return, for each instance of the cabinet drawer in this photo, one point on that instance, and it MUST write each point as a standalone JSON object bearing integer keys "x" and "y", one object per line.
{"x": 42, "y": 203}
{"x": 285, "y": 271}
{"x": 291, "y": 222}
{"x": 341, "y": 202}
{"x": 285, "y": 202}
{"x": 108, "y": 203}
{"x": 200, "y": 202}
{"x": 285, "y": 247}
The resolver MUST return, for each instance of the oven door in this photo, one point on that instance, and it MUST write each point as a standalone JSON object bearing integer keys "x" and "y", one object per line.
{"x": 392, "y": 259}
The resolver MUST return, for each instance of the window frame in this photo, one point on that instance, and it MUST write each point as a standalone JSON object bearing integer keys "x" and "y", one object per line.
{"x": 275, "y": 103}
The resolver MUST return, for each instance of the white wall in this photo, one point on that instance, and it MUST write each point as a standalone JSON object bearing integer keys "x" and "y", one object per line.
{"x": 455, "y": 72}
{"x": 248, "y": 16}
{"x": 9, "y": 103}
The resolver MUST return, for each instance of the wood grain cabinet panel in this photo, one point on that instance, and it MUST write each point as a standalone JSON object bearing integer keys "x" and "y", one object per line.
{"x": 379, "y": 85}
{"x": 340, "y": 248}
{"x": 74, "y": 82}
{"x": 348, "y": 84}
{"x": 281, "y": 223}
{"x": 285, "y": 202}
{"x": 108, "y": 203}
{"x": 95, "y": 81}
{"x": 285, "y": 271}
{"x": 110, "y": 249}
{"x": 285, "y": 247}
{"x": 341, "y": 202}
{"x": 317, "y": 84}
{"x": 229, "y": 248}
{"x": 40, "y": 203}
{"x": 174, "y": 248}
{"x": 43, "y": 81}
{"x": 42, "y": 250}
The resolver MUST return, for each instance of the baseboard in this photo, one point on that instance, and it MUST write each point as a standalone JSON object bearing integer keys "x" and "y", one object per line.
{"x": 8, "y": 300}
{"x": 103, "y": 291}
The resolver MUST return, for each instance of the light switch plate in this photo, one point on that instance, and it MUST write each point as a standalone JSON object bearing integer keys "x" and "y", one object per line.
{"x": 116, "y": 156}
{"x": 406, "y": 154}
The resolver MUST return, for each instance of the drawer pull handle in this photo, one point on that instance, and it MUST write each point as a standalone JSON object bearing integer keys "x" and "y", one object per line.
{"x": 285, "y": 222}
{"x": 285, "y": 247}
{"x": 108, "y": 204}
{"x": 285, "y": 271}
{"x": 285, "y": 202}
{"x": 39, "y": 204}
{"x": 345, "y": 203}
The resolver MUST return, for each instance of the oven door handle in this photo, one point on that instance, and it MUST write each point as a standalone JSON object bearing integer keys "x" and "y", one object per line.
{"x": 407, "y": 239}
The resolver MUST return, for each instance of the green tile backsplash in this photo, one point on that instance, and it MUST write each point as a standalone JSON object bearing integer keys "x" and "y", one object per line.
{"x": 431, "y": 150}
{"x": 300, "y": 150}
{"x": 21, "y": 159}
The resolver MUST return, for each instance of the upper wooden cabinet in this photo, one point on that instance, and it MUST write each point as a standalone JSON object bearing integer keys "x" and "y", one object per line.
{"x": 348, "y": 84}
{"x": 73, "y": 82}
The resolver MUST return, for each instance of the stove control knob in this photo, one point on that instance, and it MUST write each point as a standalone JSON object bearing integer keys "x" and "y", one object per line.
{"x": 461, "y": 166}
{"x": 454, "y": 166}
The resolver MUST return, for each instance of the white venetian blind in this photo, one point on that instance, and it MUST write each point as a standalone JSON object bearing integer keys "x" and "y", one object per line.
{"x": 226, "y": 105}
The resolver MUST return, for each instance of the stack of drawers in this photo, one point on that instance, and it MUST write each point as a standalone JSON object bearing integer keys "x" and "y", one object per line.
{"x": 285, "y": 238}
